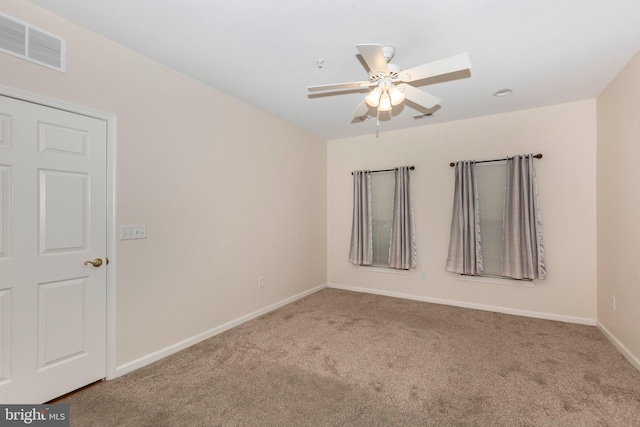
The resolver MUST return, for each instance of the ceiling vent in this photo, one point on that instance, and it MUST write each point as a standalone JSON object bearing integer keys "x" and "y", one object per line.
{"x": 30, "y": 43}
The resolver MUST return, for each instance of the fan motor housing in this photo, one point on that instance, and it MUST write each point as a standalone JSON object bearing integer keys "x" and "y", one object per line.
{"x": 394, "y": 71}
{"x": 388, "y": 52}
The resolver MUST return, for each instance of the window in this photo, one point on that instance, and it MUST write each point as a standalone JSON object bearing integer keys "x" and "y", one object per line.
{"x": 382, "y": 187}
{"x": 491, "y": 180}
{"x": 383, "y": 230}
{"x": 501, "y": 217}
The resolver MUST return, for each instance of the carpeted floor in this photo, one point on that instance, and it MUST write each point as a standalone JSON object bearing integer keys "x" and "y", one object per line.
{"x": 339, "y": 358}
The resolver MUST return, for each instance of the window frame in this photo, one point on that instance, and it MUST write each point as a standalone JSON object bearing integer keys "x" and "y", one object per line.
{"x": 489, "y": 203}
{"x": 377, "y": 210}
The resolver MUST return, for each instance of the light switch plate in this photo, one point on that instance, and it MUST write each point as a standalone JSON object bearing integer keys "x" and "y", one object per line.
{"x": 128, "y": 232}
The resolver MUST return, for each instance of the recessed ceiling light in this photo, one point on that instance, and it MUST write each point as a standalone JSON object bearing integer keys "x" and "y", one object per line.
{"x": 503, "y": 92}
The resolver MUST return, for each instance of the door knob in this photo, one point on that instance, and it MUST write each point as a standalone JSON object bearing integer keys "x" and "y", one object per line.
{"x": 96, "y": 262}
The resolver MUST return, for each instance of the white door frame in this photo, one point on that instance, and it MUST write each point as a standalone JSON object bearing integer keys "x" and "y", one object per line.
{"x": 112, "y": 128}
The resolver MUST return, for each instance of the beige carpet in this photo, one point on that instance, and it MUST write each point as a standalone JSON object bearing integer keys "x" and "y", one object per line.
{"x": 339, "y": 358}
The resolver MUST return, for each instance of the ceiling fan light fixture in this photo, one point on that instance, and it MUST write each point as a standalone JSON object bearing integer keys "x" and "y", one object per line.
{"x": 383, "y": 76}
{"x": 385, "y": 102}
{"x": 396, "y": 95}
{"x": 373, "y": 99}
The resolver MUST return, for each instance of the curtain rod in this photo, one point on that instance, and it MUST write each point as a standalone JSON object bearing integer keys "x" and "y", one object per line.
{"x": 537, "y": 156}
{"x": 388, "y": 170}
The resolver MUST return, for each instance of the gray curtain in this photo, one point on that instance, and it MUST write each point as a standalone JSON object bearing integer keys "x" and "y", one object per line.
{"x": 465, "y": 253}
{"x": 523, "y": 256}
{"x": 361, "y": 252}
{"x": 402, "y": 250}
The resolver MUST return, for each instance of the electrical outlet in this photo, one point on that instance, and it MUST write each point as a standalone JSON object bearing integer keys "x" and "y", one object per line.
{"x": 261, "y": 283}
{"x": 423, "y": 275}
{"x": 613, "y": 303}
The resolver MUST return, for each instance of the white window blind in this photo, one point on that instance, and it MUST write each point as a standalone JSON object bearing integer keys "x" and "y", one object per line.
{"x": 382, "y": 187}
{"x": 491, "y": 181}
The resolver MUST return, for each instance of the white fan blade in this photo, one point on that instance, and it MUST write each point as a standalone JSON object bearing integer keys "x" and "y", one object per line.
{"x": 373, "y": 56}
{"x": 340, "y": 86}
{"x": 362, "y": 110}
{"x": 419, "y": 97}
{"x": 436, "y": 68}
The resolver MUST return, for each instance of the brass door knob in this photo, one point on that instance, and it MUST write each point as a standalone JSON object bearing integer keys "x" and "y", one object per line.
{"x": 96, "y": 262}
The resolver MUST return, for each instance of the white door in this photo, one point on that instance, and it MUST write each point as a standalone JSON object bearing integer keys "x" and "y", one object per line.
{"x": 52, "y": 220}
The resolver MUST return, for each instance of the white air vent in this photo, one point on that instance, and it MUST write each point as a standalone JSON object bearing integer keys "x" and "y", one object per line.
{"x": 30, "y": 43}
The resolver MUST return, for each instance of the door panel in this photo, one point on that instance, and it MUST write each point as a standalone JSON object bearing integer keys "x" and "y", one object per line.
{"x": 5, "y": 335}
{"x": 5, "y": 134}
{"x": 52, "y": 220}
{"x": 61, "y": 329}
{"x": 64, "y": 211}
{"x": 63, "y": 141}
{"x": 5, "y": 209}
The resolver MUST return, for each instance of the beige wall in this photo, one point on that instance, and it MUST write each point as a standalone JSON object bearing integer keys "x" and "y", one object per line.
{"x": 564, "y": 134}
{"x": 619, "y": 207}
{"x": 229, "y": 193}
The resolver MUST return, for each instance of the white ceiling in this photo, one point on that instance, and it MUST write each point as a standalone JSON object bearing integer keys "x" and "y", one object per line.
{"x": 265, "y": 52}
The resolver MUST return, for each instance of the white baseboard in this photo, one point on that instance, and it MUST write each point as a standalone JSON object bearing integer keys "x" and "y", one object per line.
{"x": 497, "y": 309}
{"x": 632, "y": 358}
{"x": 174, "y": 348}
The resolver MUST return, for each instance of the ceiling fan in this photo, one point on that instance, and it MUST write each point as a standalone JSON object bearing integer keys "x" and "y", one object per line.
{"x": 390, "y": 82}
